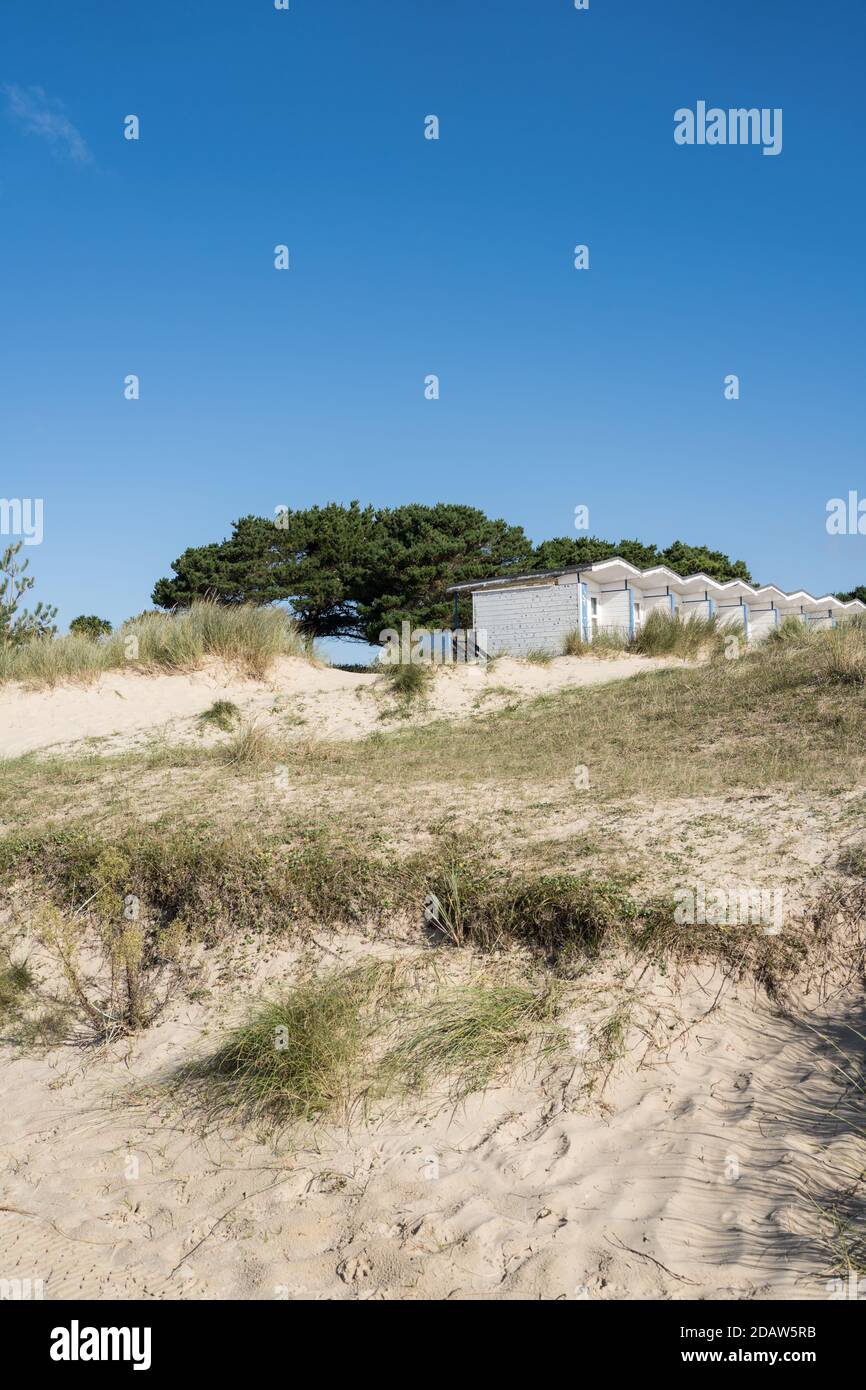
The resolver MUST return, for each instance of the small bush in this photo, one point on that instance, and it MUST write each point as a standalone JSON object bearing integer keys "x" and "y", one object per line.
{"x": 136, "y": 977}
{"x": 91, "y": 627}
{"x": 538, "y": 656}
{"x": 409, "y": 680}
{"x": 222, "y": 714}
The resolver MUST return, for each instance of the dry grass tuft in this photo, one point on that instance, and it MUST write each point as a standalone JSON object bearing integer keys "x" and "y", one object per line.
{"x": 247, "y": 637}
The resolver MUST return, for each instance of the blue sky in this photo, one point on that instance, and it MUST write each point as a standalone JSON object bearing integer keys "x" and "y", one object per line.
{"x": 408, "y": 257}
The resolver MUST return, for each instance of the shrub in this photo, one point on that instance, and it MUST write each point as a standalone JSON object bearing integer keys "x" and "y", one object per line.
{"x": 222, "y": 714}
{"x": 409, "y": 680}
{"x": 134, "y": 981}
{"x": 91, "y": 627}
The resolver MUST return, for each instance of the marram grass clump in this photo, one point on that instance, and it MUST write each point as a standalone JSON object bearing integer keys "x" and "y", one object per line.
{"x": 408, "y": 681}
{"x": 376, "y": 1033}
{"x": 466, "y": 1037}
{"x": 667, "y": 634}
{"x": 245, "y": 636}
{"x": 298, "y": 1057}
{"x": 842, "y": 653}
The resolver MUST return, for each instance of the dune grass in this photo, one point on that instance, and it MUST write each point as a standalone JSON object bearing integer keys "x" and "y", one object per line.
{"x": 218, "y": 885}
{"x": 297, "y": 1057}
{"x": 408, "y": 681}
{"x": 247, "y": 637}
{"x": 667, "y": 634}
{"x": 565, "y": 917}
{"x": 610, "y": 641}
{"x": 371, "y": 1034}
{"x": 251, "y": 747}
{"x": 776, "y": 718}
{"x": 16, "y": 984}
{"x": 574, "y": 645}
{"x": 212, "y": 881}
{"x": 842, "y": 653}
{"x": 465, "y": 1037}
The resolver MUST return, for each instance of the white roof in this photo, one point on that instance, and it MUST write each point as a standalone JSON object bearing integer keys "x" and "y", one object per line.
{"x": 619, "y": 571}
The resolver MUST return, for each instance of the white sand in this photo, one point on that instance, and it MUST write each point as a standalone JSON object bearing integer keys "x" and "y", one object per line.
{"x": 700, "y": 1171}
{"x": 298, "y": 700}
{"x": 688, "y": 1181}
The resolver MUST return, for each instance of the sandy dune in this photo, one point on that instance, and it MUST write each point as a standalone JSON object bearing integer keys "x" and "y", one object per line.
{"x": 704, "y": 1167}
{"x": 299, "y": 699}
{"x": 688, "y": 1181}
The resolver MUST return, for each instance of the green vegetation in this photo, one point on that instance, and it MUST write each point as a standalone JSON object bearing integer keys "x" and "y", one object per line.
{"x": 246, "y": 637}
{"x": 222, "y": 714}
{"x": 680, "y": 557}
{"x": 17, "y": 624}
{"x": 16, "y": 984}
{"x": 610, "y": 641}
{"x": 92, "y": 627}
{"x": 348, "y": 1037}
{"x": 574, "y": 645}
{"x": 138, "y": 972}
{"x": 666, "y": 634}
{"x": 842, "y": 653}
{"x": 565, "y": 917}
{"x": 213, "y": 882}
{"x": 409, "y": 681}
{"x": 355, "y": 572}
{"x": 298, "y": 1057}
{"x": 467, "y": 1036}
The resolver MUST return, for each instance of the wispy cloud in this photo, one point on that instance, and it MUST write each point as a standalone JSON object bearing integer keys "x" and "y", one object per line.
{"x": 39, "y": 114}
